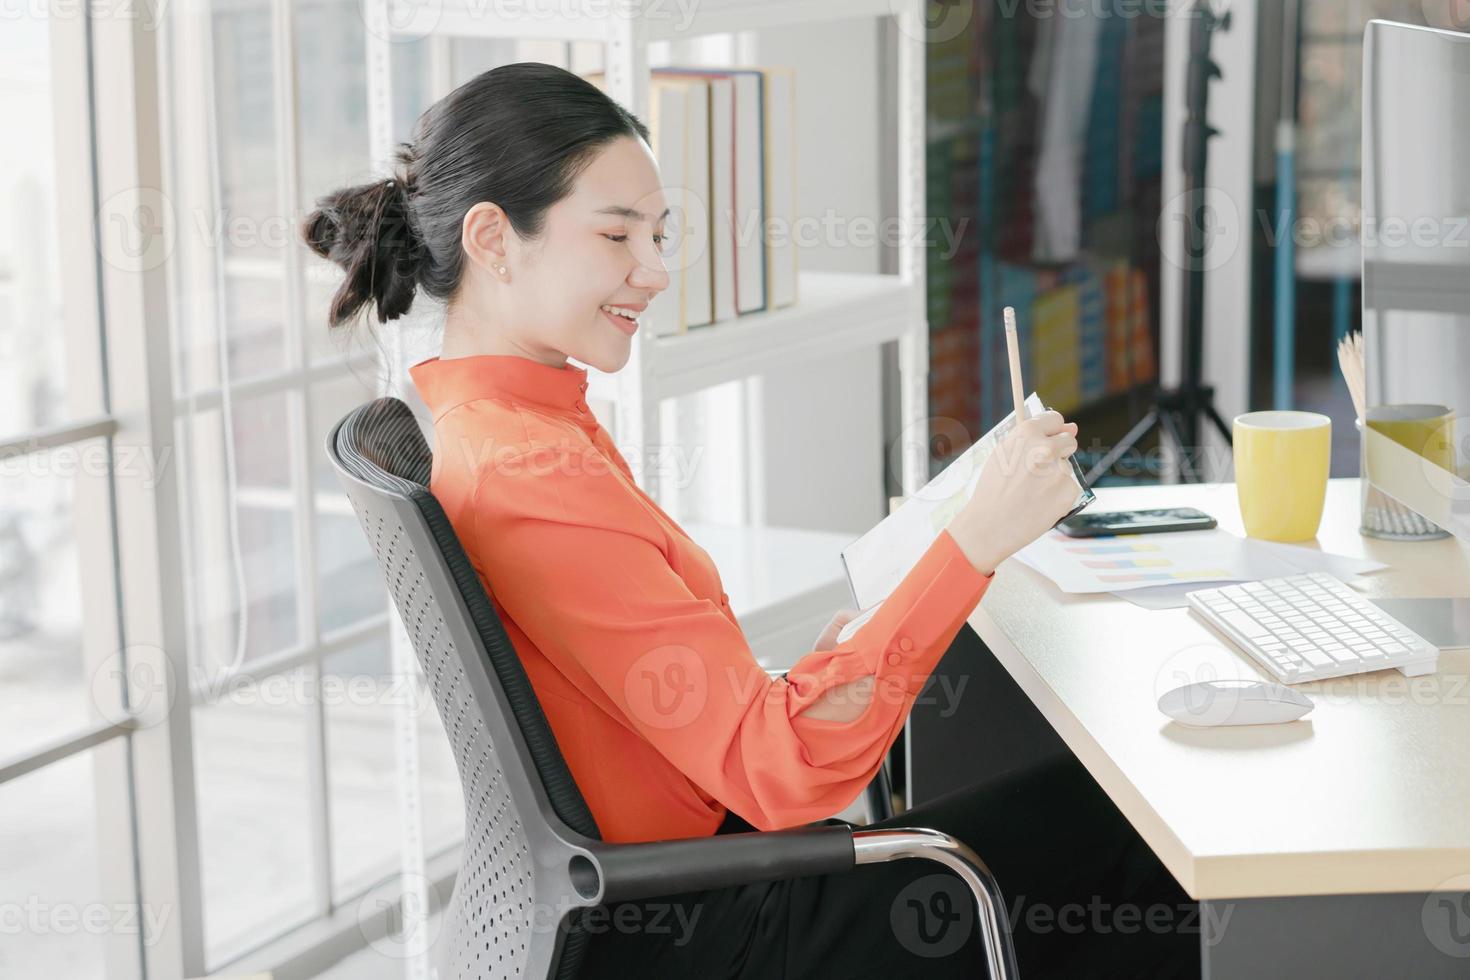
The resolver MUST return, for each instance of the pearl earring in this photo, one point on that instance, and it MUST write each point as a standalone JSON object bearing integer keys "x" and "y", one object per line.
{"x": 500, "y": 269}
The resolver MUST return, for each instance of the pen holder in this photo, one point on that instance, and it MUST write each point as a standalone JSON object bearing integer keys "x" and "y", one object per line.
{"x": 1383, "y": 516}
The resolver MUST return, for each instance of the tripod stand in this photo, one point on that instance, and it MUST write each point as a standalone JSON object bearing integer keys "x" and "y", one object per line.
{"x": 1177, "y": 411}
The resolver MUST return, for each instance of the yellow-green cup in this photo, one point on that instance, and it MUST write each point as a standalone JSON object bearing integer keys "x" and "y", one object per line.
{"x": 1281, "y": 464}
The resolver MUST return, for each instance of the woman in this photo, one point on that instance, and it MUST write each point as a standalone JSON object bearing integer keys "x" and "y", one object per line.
{"x": 530, "y": 202}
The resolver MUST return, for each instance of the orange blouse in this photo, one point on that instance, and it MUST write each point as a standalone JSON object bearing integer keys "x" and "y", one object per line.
{"x": 663, "y": 714}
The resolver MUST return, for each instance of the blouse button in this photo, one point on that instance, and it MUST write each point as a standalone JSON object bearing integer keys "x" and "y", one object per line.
{"x": 894, "y": 659}
{"x": 905, "y": 643}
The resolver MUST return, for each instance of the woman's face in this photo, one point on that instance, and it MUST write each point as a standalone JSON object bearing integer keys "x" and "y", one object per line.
{"x": 600, "y": 248}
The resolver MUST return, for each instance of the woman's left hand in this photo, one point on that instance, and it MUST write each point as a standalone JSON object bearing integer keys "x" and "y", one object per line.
{"x": 828, "y": 639}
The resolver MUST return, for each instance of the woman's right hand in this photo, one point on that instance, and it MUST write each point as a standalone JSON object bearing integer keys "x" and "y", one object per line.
{"x": 1024, "y": 488}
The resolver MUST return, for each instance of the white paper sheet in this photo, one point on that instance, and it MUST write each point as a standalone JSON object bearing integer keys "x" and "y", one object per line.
{"x": 1125, "y": 562}
{"x": 1302, "y": 559}
{"x": 879, "y": 560}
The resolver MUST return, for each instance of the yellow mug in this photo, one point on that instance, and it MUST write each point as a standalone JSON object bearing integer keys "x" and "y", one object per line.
{"x": 1281, "y": 464}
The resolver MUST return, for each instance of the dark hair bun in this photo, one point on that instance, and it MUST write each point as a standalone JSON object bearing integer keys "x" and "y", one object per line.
{"x": 369, "y": 231}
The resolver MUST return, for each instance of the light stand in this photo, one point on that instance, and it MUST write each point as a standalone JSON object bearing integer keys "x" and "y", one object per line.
{"x": 1177, "y": 411}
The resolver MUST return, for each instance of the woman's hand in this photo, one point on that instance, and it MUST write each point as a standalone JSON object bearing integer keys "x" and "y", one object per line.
{"x": 1025, "y": 487}
{"x": 828, "y": 639}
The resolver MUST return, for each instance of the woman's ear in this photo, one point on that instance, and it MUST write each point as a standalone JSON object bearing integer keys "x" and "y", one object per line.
{"x": 483, "y": 237}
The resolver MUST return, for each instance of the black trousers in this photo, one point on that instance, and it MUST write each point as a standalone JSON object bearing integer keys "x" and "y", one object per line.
{"x": 1084, "y": 895}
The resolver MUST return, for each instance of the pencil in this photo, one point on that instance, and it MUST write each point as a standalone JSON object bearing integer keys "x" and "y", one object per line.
{"x": 1013, "y": 351}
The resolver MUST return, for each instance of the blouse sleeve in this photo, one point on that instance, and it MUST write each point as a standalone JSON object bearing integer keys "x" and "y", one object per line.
{"x": 575, "y": 558}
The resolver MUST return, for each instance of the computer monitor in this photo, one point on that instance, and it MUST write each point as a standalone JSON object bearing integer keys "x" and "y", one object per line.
{"x": 1416, "y": 268}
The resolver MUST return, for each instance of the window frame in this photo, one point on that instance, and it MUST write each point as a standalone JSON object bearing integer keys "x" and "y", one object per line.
{"x": 109, "y": 77}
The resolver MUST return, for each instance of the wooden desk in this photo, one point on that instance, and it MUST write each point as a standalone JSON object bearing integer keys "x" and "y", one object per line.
{"x": 1346, "y": 834}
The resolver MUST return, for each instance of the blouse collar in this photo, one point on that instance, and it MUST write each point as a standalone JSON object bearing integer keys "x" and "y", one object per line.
{"x": 444, "y": 385}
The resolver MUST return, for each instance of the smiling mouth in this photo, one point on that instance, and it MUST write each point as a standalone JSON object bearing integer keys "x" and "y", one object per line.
{"x": 626, "y": 324}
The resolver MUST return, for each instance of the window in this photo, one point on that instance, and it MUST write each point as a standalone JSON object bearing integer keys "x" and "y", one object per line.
{"x": 68, "y": 900}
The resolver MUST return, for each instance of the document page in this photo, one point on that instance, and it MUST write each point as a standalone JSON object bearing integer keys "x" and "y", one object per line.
{"x": 876, "y": 562}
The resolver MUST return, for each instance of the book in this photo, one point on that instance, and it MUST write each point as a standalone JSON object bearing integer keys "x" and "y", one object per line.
{"x": 720, "y": 198}
{"x": 744, "y": 221}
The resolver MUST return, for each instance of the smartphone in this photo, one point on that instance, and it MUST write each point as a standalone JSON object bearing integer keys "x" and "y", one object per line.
{"x": 1136, "y": 522}
{"x": 1087, "y": 495}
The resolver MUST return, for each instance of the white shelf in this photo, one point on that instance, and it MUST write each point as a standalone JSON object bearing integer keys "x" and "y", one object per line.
{"x": 834, "y": 313}
{"x": 784, "y": 583}
{"x": 596, "y": 20}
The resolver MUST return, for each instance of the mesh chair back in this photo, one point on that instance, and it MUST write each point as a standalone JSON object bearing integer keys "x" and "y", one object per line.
{"x": 524, "y": 875}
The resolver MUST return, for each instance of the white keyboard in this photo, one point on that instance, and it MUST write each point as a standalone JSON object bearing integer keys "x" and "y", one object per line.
{"x": 1307, "y": 627}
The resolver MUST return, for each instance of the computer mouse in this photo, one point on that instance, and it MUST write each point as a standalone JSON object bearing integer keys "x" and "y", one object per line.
{"x": 1234, "y": 702}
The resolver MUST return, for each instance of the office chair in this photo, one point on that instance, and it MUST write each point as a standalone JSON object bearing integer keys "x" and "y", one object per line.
{"x": 533, "y": 859}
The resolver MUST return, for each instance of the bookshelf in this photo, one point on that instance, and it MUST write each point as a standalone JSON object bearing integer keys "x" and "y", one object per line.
{"x": 834, "y": 313}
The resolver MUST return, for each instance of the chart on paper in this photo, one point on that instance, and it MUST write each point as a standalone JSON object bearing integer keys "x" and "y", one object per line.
{"x": 1127, "y": 559}
{"x": 1138, "y": 561}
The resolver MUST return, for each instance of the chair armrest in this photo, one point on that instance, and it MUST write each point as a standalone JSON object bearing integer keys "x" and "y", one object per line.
{"x": 671, "y": 867}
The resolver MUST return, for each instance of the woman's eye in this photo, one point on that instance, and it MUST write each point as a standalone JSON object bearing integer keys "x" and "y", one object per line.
{"x": 658, "y": 239}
